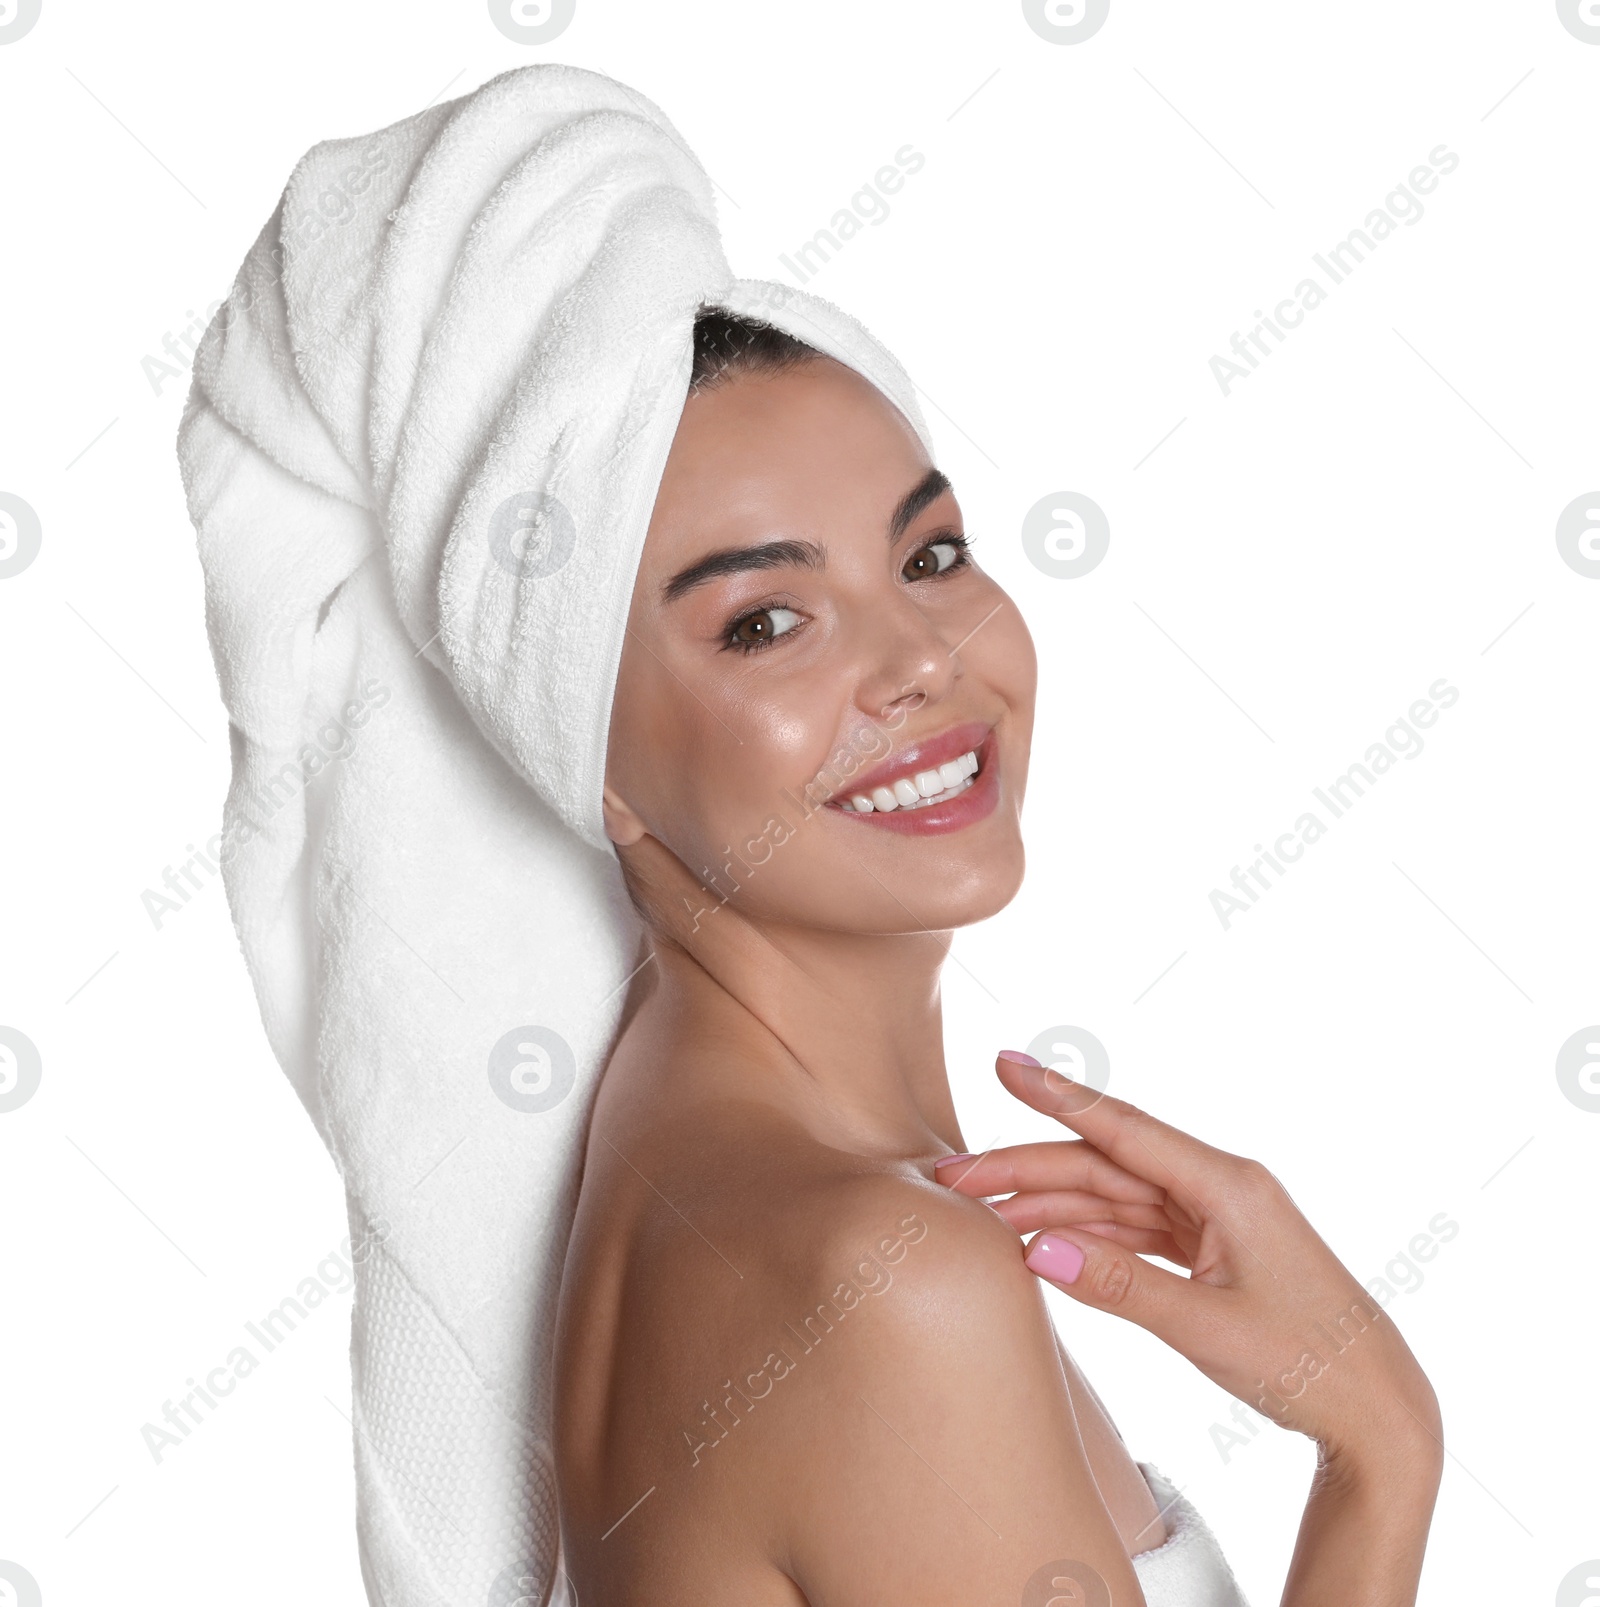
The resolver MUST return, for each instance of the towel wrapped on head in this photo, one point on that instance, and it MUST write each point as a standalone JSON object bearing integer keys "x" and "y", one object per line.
{"x": 420, "y": 451}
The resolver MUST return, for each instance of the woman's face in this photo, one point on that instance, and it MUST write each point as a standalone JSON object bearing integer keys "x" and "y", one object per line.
{"x": 808, "y": 633}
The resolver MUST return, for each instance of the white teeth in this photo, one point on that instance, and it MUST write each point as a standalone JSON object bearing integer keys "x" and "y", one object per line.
{"x": 915, "y": 792}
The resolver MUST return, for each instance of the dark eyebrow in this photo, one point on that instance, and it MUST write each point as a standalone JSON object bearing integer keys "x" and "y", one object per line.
{"x": 929, "y": 488}
{"x": 797, "y": 554}
{"x": 736, "y": 560}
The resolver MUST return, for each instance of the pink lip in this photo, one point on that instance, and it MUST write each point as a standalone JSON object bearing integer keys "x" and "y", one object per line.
{"x": 973, "y": 805}
{"x": 928, "y": 754}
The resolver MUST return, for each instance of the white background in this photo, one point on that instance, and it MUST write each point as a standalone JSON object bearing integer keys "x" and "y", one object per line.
{"x": 1290, "y": 568}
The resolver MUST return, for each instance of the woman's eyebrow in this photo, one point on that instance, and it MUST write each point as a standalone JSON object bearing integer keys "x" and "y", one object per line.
{"x": 736, "y": 560}
{"x": 797, "y": 554}
{"x": 931, "y": 486}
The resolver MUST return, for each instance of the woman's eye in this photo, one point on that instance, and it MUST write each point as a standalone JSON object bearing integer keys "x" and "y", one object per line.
{"x": 934, "y": 559}
{"x": 763, "y": 626}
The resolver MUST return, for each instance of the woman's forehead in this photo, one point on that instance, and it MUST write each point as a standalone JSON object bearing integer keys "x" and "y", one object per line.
{"x": 802, "y": 449}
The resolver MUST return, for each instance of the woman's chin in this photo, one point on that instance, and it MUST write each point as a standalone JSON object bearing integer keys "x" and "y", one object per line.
{"x": 991, "y": 893}
{"x": 960, "y": 895}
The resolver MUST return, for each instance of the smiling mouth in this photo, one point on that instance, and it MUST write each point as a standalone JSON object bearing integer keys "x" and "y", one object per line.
{"x": 916, "y": 789}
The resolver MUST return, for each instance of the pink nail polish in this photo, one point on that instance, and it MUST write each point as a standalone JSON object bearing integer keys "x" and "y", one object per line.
{"x": 950, "y": 1160}
{"x": 1019, "y": 1057}
{"x": 1060, "y": 1260}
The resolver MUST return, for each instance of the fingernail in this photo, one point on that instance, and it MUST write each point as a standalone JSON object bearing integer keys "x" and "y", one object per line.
{"x": 1019, "y": 1057}
{"x": 1060, "y": 1260}
{"x": 950, "y": 1160}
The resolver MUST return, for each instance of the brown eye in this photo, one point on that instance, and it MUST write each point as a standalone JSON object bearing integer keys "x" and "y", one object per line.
{"x": 763, "y": 626}
{"x": 934, "y": 559}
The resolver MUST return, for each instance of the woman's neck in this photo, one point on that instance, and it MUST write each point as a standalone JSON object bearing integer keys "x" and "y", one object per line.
{"x": 843, "y": 1031}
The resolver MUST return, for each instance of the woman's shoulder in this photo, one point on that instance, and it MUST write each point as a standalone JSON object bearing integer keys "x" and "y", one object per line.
{"x": 809, "y": 1250}
{"x": 939, "y": 1244}
{"x": 911, "y": 1387}
{"x": 738, "y": 1189}
{"x": 942, "y": 1275}
{"x": 795, "y": 1217}
{"x": 820, "y": 1350}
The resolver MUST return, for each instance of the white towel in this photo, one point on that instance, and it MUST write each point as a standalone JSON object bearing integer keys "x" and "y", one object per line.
{"x": 469, "y": 325}
{"x": 1188, "y": 1568}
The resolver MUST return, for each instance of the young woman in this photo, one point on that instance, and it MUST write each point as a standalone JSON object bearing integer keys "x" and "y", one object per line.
{"x": 536, "y": 583}
{"x": 799, "y": 1360}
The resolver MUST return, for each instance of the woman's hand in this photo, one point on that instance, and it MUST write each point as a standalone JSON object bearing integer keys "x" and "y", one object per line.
{"x": 1267, "y": 1311}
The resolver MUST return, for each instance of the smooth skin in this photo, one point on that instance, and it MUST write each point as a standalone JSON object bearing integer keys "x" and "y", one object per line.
{"x": 765, "y": 1137}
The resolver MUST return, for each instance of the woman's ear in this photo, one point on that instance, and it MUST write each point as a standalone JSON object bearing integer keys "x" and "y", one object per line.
{"x": 623, "y": 826}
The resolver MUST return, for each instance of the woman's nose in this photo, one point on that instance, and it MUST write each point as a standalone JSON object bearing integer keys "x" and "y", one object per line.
{"x": 906, "y": 663}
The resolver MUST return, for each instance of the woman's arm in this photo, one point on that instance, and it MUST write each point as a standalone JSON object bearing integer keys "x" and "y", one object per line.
{"x": 1267, "y": 1311}
{"x": 1366, "y": 1523}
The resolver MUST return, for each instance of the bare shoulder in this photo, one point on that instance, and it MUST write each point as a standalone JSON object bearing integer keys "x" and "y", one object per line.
{"x": 813, "y": 1229}
{"x": 932, "y": 1451}
{"x": 940, "y": 1280}
{"x": 838, "y": 1361}
{"x": 940, "y": 1251}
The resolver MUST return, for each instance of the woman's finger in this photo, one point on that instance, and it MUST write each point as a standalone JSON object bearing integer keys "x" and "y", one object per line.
{"x": 1110, "y": 1277}
{"x": 1053, "y": 1164}
{"x": 1147, "y": 1233}
{"x": 1136, "y": 1141}
{"x": 1027, "y": 1213}
{"x": 1142, "y": 1241}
